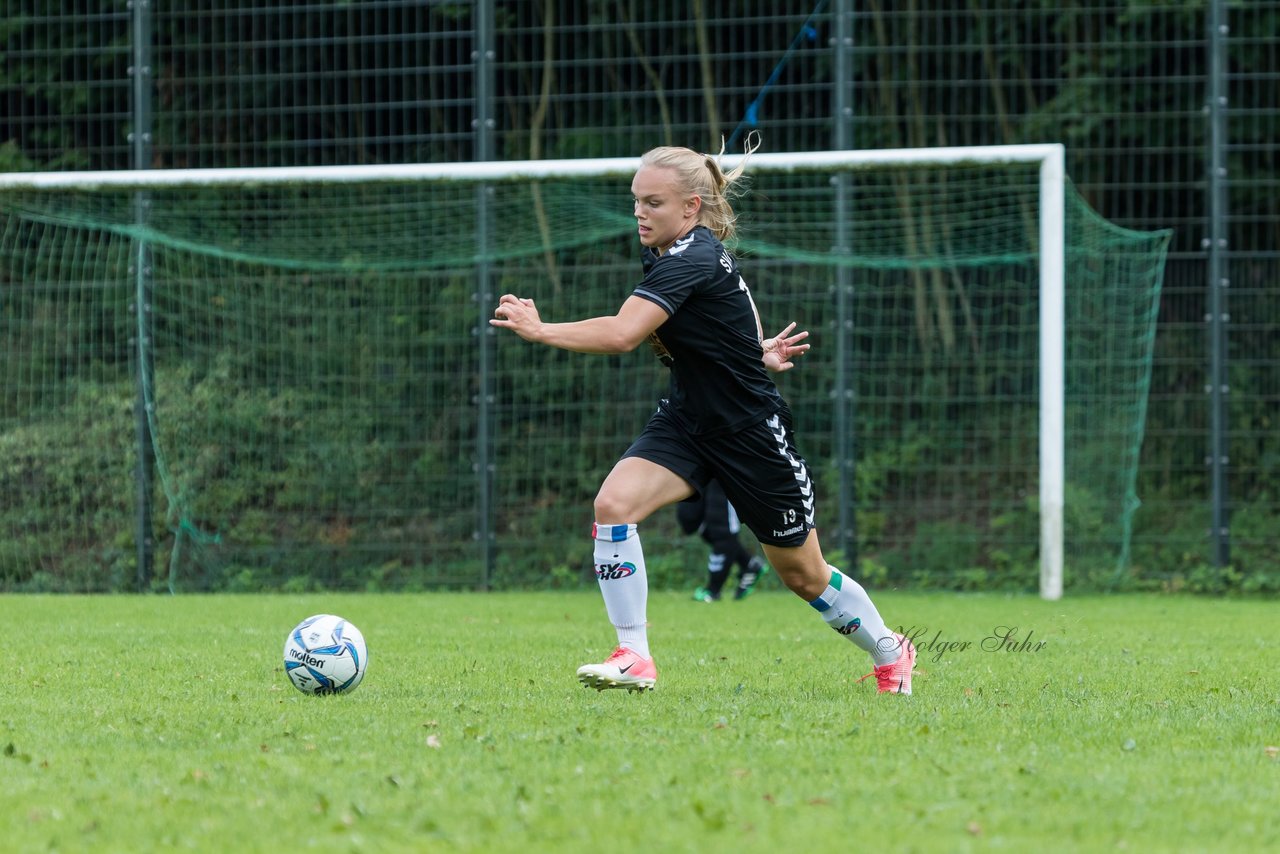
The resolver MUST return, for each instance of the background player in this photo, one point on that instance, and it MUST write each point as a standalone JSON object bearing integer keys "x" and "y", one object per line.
{"x": 711, "y": 516}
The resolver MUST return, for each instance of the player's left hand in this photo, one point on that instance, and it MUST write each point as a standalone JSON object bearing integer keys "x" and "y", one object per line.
{"x": 783, "y": 347}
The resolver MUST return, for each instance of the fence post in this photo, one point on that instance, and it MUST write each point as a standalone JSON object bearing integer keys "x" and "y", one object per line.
{"x": 484, "y": 126}
{"x": 1217, "y": 317}
{"x": 845, "y": 401}
{"x": 140, "y": 72}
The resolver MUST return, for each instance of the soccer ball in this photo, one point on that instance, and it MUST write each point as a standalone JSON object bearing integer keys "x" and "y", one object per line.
{"x": 325, "y": 654}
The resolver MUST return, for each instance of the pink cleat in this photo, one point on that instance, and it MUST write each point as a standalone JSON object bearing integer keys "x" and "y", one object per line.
{"x": 623, "y": 669}
{"x": 895, "y": 677}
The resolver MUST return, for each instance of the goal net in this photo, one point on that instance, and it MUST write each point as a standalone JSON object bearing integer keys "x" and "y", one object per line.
{"x": 284, "y": 379}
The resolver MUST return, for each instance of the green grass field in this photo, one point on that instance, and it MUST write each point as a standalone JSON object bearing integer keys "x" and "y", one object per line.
{"x": 139, "y": 724}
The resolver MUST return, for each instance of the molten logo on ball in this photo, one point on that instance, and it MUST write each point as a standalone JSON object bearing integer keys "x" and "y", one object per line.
{"x": 325, "y": 654}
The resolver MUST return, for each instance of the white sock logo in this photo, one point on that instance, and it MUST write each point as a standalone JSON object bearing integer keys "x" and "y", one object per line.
{"x": 612, "y": 571}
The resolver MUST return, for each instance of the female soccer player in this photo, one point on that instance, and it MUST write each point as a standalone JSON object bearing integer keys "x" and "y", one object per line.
{"x": 724, "y": 419}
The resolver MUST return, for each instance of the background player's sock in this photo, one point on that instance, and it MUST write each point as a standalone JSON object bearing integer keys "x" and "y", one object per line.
{"x": 717, "y": 573}
{"x": 749, "y": 575}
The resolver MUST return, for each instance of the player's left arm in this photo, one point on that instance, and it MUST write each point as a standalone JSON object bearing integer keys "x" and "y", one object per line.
{"x": 783, "y": 347}
{"x": 778, "y": 351}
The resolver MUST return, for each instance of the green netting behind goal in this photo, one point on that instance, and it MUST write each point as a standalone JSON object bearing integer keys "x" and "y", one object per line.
{"x": 327, "y": 408}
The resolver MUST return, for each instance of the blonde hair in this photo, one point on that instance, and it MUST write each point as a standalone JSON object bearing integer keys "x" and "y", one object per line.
{"x": 700, "y": 175}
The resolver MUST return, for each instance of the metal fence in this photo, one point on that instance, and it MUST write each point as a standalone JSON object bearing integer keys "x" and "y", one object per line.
{"x": 1169, "y": 110}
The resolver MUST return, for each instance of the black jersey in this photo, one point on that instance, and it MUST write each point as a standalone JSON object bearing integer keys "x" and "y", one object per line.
{"x": 710, "y": 340}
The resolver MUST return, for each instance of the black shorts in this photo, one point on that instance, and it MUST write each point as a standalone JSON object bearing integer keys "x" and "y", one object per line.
{"x": 761, "y": 471}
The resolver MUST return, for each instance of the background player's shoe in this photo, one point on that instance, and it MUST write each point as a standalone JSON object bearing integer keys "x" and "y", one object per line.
{"x": 750, "y": 577}
{"x": 623, "y": 669}
{"x": 895, "y": 677}
{"x": 702, "y": 594}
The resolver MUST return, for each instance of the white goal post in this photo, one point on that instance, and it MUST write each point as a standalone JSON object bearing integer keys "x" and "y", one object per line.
{"x": 1052, "y": 241}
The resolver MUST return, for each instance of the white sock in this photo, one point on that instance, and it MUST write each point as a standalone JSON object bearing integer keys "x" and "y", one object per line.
{"x": 847, "y": 608}
{"x": 619, "y": 562}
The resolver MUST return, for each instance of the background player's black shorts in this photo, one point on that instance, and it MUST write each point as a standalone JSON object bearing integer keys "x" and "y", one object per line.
{"x": 761, "y": 471}
{"x": 709, "y": 514}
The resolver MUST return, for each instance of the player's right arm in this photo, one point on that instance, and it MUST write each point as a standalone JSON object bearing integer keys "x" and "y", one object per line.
{"x": 635, "y": 321}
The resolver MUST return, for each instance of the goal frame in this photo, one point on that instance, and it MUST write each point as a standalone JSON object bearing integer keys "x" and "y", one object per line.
{"x": 1050, "y": 157}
